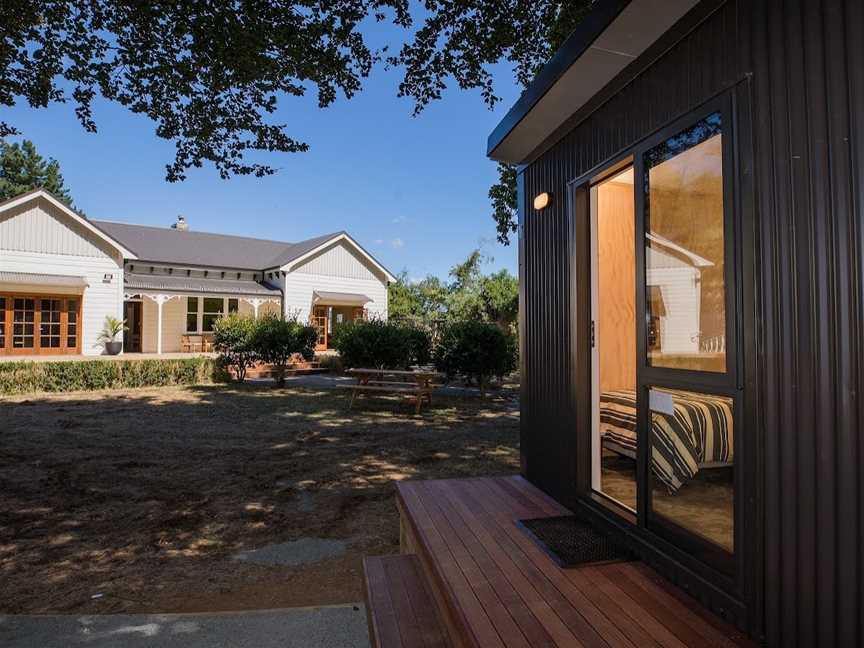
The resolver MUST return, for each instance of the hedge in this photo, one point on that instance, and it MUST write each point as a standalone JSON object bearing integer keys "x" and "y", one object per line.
{"x": 87, "y": 375}
{"x": 381, "y": 345}
{"x": 475, "y": 350}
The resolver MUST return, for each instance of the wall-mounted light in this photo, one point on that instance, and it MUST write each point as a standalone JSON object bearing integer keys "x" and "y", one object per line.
{"x": 542, "y": 201}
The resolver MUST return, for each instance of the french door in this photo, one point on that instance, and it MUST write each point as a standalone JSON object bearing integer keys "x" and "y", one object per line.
{"x": 321, "y": 322}
{"x": 39, "y": 324}
{"x": 664, "y": 359}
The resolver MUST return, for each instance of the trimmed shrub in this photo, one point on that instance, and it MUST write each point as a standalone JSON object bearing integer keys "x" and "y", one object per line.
{"x": 276, "y": 340}
{"x": 234, "y": 339}
{"x": 476, "y": 351}
{"x": 88, "y": 375}
{"x": 381, "y": 345}
{"x": 420, "y": 345}
{"x": 330, "y": 362}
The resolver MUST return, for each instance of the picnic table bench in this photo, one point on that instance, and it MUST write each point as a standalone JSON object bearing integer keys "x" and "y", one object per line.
{"x": 418, "y": 384}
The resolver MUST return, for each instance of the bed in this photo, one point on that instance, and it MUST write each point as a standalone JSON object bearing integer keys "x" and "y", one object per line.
{"x": 698, "y": 436}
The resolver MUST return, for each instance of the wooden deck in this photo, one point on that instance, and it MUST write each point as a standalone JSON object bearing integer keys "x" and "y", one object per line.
{"x": 493, "y": 586}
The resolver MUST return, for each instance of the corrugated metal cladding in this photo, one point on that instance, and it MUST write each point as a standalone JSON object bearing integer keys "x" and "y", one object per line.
{"x": 799, "y": 68}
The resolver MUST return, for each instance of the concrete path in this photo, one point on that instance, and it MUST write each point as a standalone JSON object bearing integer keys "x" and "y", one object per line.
{"x": 321, "y": 627}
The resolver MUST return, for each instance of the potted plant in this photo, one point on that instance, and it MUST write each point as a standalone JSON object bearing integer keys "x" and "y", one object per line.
{"x": 108, "y": 337}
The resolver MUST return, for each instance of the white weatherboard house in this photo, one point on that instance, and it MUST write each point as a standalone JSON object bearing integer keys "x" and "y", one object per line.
{"x": 62, "y": 274}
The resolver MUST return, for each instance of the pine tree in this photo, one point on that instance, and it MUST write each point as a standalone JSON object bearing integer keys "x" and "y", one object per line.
{"x": 22, "y": 169}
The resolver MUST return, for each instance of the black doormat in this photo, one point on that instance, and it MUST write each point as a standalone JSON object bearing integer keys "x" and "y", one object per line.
{"x": 571, "y": 541}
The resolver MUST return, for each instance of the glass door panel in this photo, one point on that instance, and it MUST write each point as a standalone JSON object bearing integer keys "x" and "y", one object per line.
{"x": 692, "y": 455}
{"x": 687, "y": 378}
{"x": 23, "y": 323}
{"x": 71, "y": 323}
{"x": 685, "y": 249}
{"x": 49, "y": 323}
{"x": 2, "y": 323}
{"x": 613, "y": 302}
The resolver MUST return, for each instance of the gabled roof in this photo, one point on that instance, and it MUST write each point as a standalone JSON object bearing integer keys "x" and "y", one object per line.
{"x": 307, "y": 249}
{"x": 297, "y": 250}
{"x": 185, "y": 247}
{"x": 166, "y": 245}
{"x": 44, "y": 194}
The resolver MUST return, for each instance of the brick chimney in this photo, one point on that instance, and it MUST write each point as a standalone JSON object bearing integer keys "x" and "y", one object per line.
{"x": 181, "y": 225}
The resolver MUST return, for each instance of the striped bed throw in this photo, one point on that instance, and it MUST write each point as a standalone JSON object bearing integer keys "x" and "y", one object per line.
{"x": 699, "y": 433}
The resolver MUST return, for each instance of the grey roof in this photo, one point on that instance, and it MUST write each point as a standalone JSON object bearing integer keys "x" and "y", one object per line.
{"x": 167, "y": 245}
{"x": 180, "y": 284}
{"x": 299, "y": 249}
{"x": 37, "y": 278}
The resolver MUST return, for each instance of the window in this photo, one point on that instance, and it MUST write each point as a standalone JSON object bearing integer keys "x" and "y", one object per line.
{"x": 71, "y": 323}
{"x": 191, "y": 314}
{"x": 23, "y": 323}
{"x": 688, "y": 426}
{"x": 233, "y": 306}
{"x": 49, "y": 323}
{"x": 684, "y": 249}
{"x": 692, "y": 454}
{"x": 214, "y": 308}
{"x": 2, "y": 322}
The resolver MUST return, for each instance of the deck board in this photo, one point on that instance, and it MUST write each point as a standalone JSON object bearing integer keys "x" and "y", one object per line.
{"x": 504, "y": 590}
{"x": 399, "y": 604}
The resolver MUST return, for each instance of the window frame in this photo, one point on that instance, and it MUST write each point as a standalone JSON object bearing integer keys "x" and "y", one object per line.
{"x": 205, "y": 313}
{"x": 648, "y": 376}
{"x": 7, "y": 347}
{"x": 188, "y": 313}
{"x": 727, "y": 571}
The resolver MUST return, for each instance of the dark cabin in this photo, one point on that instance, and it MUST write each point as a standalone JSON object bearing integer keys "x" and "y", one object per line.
{"x": 690, "y": 249}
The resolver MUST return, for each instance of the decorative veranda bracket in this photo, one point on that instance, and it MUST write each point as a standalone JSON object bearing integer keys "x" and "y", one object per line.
{"x": 257, "y": 302}
{"x": 160, "y": 300}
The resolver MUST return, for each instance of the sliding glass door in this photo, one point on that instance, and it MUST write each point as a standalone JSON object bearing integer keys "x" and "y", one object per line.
{"x": 690, "y": 369}
{"x": 613, "y": 333}
{"x": 665, "y": 384}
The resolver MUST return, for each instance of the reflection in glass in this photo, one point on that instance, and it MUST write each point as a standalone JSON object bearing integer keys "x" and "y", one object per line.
{"x": 614, "y": 316}
{"x": 23, "y": 323}
{"x": 191, "y": 314}
{"x": 685, "y": 250}
{"x": 692, "y": 463}
{"x": 49, "y": 323}
{"x": 214, "y": 307}
{"x": 71, "y": 323}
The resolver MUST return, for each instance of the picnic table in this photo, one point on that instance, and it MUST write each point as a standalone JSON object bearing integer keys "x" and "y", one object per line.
{"x": 418, "y": 384}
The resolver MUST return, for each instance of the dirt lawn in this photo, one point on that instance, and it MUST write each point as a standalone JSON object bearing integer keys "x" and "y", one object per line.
{"x": 144, "y": 496}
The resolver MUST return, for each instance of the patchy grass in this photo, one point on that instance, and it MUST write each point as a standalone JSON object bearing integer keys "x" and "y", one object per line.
{"x": 143, "y": 496}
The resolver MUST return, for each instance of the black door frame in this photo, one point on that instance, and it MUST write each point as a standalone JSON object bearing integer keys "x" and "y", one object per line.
{"x": 737, "y": 595}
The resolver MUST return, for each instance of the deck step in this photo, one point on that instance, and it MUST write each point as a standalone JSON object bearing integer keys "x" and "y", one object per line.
{"x": 401, "y": 610}
{"x": 493, "y": 585}
{"x": 293, "y": 369}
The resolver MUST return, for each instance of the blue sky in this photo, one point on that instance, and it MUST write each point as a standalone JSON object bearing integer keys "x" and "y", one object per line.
{"x": 412, "y": 190}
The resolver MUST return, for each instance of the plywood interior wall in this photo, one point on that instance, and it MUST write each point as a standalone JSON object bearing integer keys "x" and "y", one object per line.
{"x": 616, "y": 276}
{"x": 687, "y": 208}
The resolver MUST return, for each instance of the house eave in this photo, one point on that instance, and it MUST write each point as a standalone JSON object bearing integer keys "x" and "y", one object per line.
{"x": 293, "y": 264}
{"x": 611, "y": 37}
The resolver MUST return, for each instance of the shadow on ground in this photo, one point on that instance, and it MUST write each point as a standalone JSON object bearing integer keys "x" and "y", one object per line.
{"x": 137, "y": 500}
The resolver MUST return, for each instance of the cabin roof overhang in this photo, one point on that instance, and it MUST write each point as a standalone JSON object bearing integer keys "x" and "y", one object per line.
{"x": 612, "y": 36}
